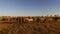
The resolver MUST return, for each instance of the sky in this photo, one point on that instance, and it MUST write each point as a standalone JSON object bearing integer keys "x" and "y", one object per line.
{"x": 29, "y": 7}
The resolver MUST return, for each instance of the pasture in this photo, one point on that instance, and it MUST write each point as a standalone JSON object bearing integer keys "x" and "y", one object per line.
{"x": 37, "y": 25}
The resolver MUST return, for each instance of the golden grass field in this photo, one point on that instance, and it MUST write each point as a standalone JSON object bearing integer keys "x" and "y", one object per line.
{"x": 30, "y": 28}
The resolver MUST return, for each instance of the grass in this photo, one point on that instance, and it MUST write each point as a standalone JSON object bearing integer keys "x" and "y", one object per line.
{"x": 30, "y": 28}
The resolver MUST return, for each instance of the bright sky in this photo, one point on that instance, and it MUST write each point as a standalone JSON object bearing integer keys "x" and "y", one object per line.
{"x": 29, "y": 7}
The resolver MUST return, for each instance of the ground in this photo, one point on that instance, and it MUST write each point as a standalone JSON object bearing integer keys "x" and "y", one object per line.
{"x": 30, "y": 28}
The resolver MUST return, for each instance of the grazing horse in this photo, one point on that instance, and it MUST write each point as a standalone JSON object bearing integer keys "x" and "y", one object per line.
{"x": 29, "y": 19}
{"x": 7, "y": 19}
{"x": 3, "y": 19}
{"x": 38, "y": 20}
{"x": 55, "y": 18}
{"x": 42, "y": 20}
{"x": 48, "y": 20}
{"x": 20, "y": 20}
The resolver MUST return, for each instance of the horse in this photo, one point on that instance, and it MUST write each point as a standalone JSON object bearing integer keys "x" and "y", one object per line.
{"x": 29, "y": 19}
{"x": 48, "y": 20}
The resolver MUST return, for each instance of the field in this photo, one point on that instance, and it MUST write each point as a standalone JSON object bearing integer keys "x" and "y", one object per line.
{"x": 33, "y": 27}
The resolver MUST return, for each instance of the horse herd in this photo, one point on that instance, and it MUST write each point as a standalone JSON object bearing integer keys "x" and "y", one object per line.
{"x": 31, "y": 19}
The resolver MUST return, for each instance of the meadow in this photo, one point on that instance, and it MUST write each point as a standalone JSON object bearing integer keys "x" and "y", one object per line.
{"x": 30, "y": 25}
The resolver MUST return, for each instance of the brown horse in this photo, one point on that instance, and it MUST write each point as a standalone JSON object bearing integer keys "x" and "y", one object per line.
{"x": 48, "y": 20}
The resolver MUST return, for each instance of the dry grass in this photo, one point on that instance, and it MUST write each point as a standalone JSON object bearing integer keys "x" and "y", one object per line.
{"x": 30, "y": 28}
